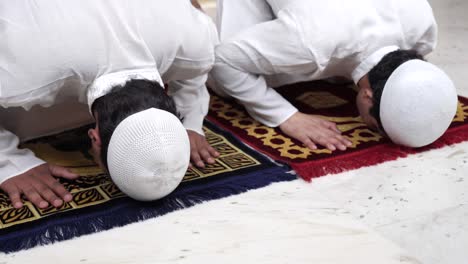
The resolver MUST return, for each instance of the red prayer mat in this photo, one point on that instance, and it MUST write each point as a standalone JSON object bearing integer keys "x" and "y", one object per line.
{"x": 335, "y": 103}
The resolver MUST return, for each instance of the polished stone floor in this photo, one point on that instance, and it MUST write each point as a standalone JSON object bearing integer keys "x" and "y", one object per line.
{"x": 413, "y": 210}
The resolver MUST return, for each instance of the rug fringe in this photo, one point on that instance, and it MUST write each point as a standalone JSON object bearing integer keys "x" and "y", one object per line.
{"x": 361, "y": 159}
{"x": 374, "y": 156}
{"x": 126, "y": 211}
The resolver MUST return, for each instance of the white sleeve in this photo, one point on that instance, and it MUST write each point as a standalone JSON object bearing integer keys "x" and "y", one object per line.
{"x": 420, "y": 28}
{"x": 188, "y": 73}
{"x": 14, "y": 161}
{"x": 242, "y": 62}
{"x": 251, "y": 12}
{"x": 192, "y": 100}
{"x": 263, "y": 103}
{"x": 428, "y": 41}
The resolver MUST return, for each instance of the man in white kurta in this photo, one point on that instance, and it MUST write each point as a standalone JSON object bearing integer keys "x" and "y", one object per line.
{"x": 267, "y": 43}
{"x": 53, "y": 52}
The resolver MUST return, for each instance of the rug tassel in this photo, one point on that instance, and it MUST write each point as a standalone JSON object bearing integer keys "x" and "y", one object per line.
{"x": 374, "y": 156}
{"x": 335, "y": 166}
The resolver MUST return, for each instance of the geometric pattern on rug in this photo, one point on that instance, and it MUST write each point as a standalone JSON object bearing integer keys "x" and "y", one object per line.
{"x": 95, "y": 187}
{"x": 96, "y": 199}
{"x": 332, "y": 102}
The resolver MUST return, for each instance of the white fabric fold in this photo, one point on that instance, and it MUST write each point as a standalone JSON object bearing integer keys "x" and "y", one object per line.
{"x": 50, "y": 57}
{"x": 105, "y": 83}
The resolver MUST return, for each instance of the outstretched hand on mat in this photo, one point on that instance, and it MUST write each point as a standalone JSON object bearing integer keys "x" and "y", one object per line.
{"x": 312, "y": 131}
{"x": 39, "y": 186}
{"x": 200, "y": 150}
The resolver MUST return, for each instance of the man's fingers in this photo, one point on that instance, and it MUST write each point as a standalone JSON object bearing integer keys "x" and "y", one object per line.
{"x": 332, "y": 141}
{"x": 214, "y": 153}
{"x": 345, "y": 141}
{"x": 59, "y": 189}
{"x": 56, "y": 186}
{"x": 14, "y": 194}
{"x": 39, "y": 186}
{"x": 331, "y": 147}
{"x": 308, "y": 143}
{"x": 59, "y": 171}
{"x": 336, "y": 141}
{"x": 332, "y": 126}
{"x": 312, "y": 131}
{"x": 324, "y": 141}
{"x": 201, "y": 151}
{"x": 46, "y": 192}
{"x": 336, "y": 129}
{"x": 34, "y": 197}
{"x": 341, "y": 146}
{"x": 195, "y": 157}
{"x": 206, "y": 155}
{"x": 340, "y": 141}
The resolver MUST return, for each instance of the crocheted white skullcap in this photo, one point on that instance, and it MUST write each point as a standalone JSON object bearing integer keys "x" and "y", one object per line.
{"x": 418, "y": 103}
{"x": 148, "y": 155}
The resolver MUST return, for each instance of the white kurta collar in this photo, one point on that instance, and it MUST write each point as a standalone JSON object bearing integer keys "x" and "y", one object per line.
{"x": 104, "y": 84}
{"x": 366, "y": 66}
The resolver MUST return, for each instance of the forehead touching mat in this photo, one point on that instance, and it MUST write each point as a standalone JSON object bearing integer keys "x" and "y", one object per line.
{"x": 99, "y": 205}
{"x": 335, "y": 103}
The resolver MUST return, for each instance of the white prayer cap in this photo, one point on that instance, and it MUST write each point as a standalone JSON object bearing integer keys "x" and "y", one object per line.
{"x": 418, "y": 104}
{"x": 148, "y": 155}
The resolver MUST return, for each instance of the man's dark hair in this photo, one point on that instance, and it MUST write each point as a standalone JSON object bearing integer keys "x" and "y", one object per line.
{"x": 379, "y": 75}
{"x": 124, "y": 100}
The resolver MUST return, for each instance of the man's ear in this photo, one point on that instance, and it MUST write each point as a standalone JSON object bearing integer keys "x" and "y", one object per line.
{"x": 368, "y": 93}
{"x": 93, "y": 134}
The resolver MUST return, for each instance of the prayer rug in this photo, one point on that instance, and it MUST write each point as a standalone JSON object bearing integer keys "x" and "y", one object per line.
{"x": 335, "y": 103}
{"x": 99, "y": 205}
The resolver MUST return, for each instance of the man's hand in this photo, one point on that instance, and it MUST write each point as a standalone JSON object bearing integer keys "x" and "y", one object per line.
{"x": 312, "y": 130}
{"x": 39, "y": 186}
{"x": 200, "y": 150}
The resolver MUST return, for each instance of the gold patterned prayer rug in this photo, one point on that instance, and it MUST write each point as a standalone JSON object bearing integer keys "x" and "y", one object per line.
{"x": 335, "y": 103}
{"x": 99, "y": 205}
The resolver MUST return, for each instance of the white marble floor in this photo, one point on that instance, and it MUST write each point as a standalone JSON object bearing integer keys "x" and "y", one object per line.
{"x": 413, "y": 210}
